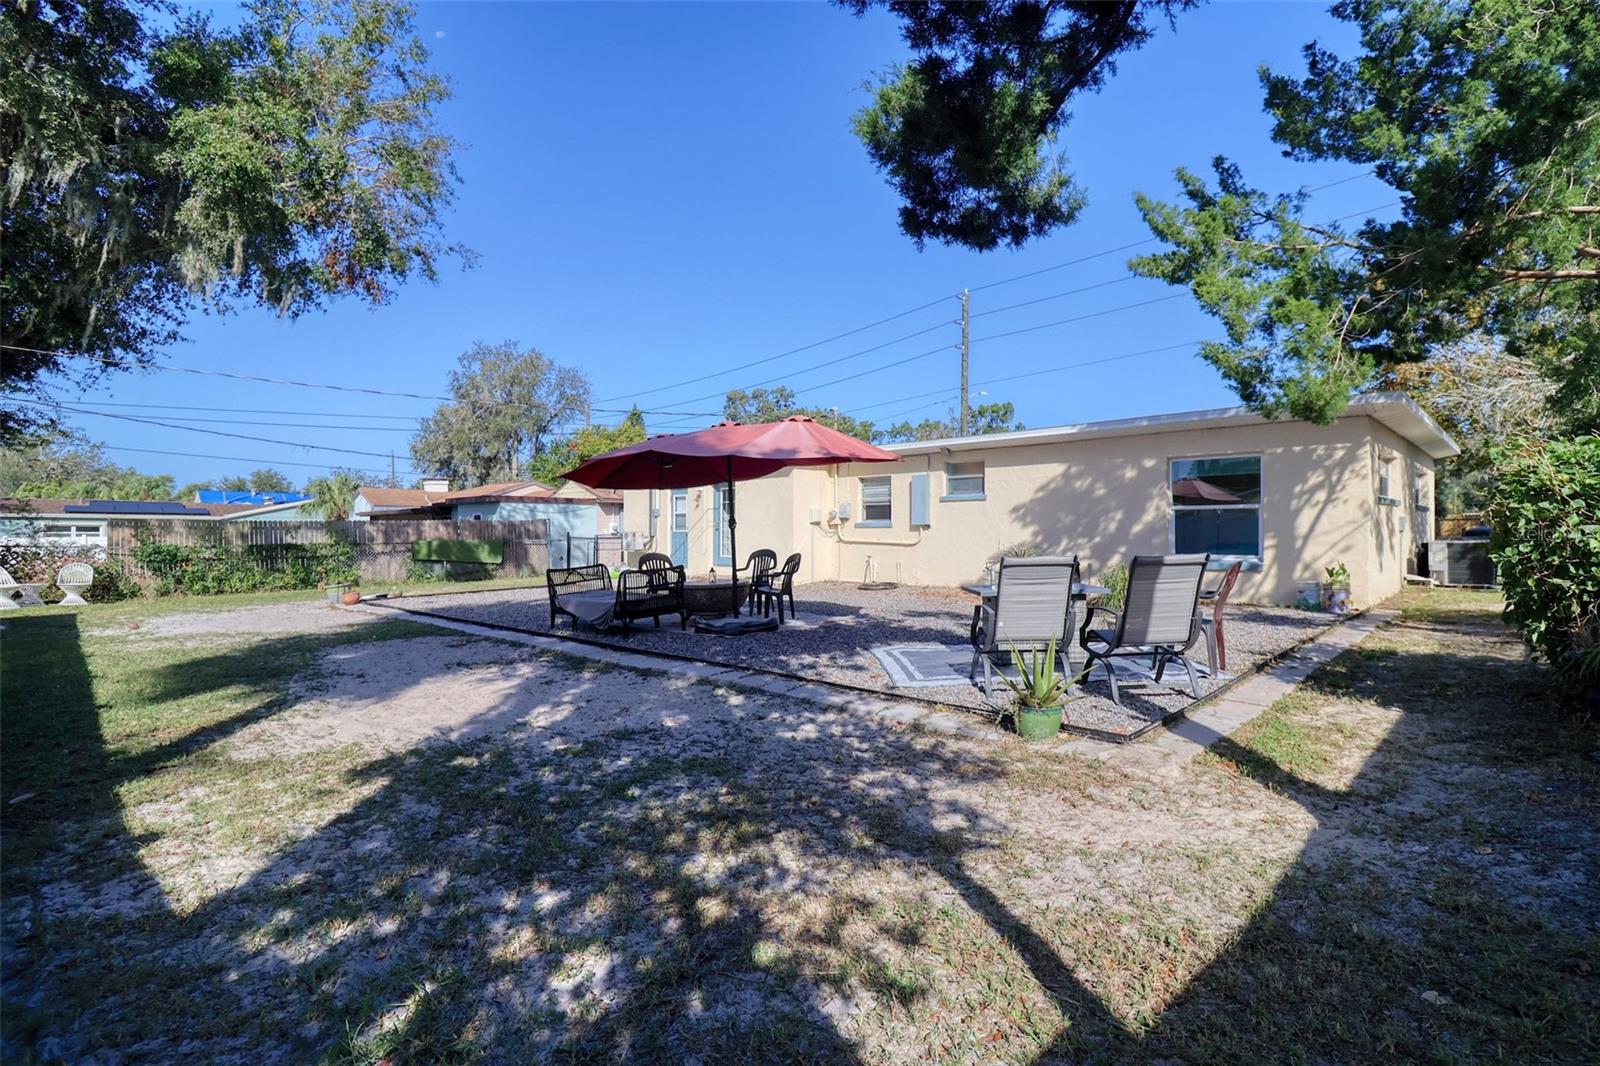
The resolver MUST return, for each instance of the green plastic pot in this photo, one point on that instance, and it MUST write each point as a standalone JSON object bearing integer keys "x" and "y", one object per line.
{"x": 1038, "y": 723}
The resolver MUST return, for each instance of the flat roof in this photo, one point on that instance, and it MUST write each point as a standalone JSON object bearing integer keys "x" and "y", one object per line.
{"x": 1393, "y": 409}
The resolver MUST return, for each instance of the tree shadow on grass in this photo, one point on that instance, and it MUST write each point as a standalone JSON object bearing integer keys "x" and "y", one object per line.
{"x": 689, "y": 881}
{"x": 1430, "y": 913}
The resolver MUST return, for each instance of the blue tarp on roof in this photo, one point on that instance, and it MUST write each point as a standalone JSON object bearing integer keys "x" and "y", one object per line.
{"x": 258, "y": 498}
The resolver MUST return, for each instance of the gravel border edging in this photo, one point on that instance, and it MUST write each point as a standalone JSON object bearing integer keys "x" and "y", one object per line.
{"x": 797, "y": 681}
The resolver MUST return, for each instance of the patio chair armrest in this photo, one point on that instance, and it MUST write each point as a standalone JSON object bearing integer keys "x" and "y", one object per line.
{"x": 978, "y": 611}
{"x": 1088, "y": 622}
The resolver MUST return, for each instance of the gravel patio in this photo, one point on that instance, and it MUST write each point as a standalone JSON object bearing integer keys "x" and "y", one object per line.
{"x": 839, "y": 625}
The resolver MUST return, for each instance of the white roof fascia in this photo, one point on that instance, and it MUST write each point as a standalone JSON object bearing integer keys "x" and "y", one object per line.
{"x": 1395, "y": 410}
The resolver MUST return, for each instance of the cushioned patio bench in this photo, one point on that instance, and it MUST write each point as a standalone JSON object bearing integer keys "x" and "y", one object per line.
{"x": 586, "y": 593}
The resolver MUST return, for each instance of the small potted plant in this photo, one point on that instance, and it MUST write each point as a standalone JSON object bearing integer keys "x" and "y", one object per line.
{"x": 1041, "y": 694}
{"x": 1337, "y": 587}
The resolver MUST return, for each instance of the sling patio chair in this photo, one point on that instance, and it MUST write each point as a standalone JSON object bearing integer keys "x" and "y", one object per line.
{"x": 775, "y": 587}
{"x": 1159, "y": 618}
{"x": 1029, "y": 610}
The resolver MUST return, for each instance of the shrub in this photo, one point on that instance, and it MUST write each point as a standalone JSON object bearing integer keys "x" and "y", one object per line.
{"x": 1545, "y": 512}
{"x": 209, "y": 569}
{"x": 1114, "y": 578}
{"x": 42, "y": 562}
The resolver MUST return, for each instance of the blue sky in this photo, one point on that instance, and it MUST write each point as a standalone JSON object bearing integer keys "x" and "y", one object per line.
{"x": 659, "y": 192}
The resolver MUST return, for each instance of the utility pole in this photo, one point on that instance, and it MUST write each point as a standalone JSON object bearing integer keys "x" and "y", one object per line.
{"x": 966, "y": 345}
{"x": 392, "y": 481}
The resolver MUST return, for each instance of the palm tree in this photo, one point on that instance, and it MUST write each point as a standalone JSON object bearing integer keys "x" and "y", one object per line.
{"x": 332, "y": 497}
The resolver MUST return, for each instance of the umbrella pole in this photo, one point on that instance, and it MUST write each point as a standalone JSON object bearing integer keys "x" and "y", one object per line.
{"x": 733, "y": 544}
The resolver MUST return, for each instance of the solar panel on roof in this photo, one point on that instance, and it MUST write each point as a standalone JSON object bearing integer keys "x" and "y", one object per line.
{"x": 144, "y": 507}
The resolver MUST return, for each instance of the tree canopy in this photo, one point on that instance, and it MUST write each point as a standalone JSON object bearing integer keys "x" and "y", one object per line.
{"x": 967, "y": 132}
{"x": 509, "y": 404}
{"x": 69, "y": 467}
{"x": 333, "y": 495}
{"x": 148, "y": 164}
{"x": 770, "y": 405}
{"x": 568, "y": 452}
{"x": 985, "y": 418}
{"x": 1485, "y": 117}
{"x": 265, "y": 479}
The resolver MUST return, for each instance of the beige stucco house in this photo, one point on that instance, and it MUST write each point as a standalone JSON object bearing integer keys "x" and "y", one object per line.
{"x": 1285, "y": 497}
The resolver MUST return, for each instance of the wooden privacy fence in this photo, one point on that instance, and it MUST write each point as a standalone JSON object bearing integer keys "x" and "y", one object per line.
{"x": 1456, "y": 525}
{"x": 382, "y": 549}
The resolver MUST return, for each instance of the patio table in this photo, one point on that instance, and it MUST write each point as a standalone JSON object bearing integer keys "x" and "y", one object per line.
{"x": 1081, "y": 590}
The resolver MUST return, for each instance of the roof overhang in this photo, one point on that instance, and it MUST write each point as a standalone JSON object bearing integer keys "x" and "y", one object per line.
{"x": 1395, "y": 410}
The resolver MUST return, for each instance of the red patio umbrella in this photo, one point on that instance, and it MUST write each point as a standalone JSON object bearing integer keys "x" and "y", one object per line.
{"x": 726, "y": 452}
{"x": 1193, "y": 488}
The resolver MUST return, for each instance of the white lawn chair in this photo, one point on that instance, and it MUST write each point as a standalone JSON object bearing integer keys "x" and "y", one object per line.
{"x": 11, "y": 589}
{"x": 72, "y": 580}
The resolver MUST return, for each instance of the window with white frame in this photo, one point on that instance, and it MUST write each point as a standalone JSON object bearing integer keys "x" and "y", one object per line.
{"x": 1216, "y": 506}
{"x": 1386, "y": 464}
{"x": 680, "y": 512}
{"x": 68, "y": 533}
{"x": 877, "y": 501}
{"x": 963, "y": 481}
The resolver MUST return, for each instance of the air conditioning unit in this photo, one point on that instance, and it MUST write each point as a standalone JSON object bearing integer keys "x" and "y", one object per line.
{"x": 1461, "y": 562}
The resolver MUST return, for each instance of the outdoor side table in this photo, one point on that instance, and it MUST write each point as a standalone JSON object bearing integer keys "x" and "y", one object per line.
{"x": 704, "y": 596}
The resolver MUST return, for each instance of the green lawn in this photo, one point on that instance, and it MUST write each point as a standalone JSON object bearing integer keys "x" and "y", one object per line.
{"x": 1401, "y": 860}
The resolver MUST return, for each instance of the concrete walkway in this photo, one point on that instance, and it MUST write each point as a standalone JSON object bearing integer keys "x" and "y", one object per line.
{"x": 1170, "y": 749}
{"x": 1166, "y": 752}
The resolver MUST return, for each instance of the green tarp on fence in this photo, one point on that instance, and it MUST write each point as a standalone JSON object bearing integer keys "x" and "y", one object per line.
{"x": 459, "y": 551}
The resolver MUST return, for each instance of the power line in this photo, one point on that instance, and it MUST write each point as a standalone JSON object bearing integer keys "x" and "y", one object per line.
{"x": 784, "y": 355}
{"x": 242, "y": 459}
{"x": 1028, "y": 374}
{"x": 196, "y": 429}
{"x": 819, "y": 366}
{"x": 315, "y": 384}
{"x": 240, "y": 410}
{"x": 284, "y": 425}
{"x": 1079, "y": 318}
{"x": 1056, "y": 295}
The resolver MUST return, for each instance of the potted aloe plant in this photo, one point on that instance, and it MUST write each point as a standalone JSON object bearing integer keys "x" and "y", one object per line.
{"x": 1041, "y": 694}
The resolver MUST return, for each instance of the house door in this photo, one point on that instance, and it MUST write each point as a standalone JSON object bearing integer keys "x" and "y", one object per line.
{"x": 680, "y": 526}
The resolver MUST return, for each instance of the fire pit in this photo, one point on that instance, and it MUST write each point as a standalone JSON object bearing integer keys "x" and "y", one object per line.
{"x": 705, "y": 596}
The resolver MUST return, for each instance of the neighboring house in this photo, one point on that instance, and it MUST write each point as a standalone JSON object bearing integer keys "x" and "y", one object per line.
{"x": 518, "y": 501}
{"x": 83, "y": 522}
{"x": 374, "y": 501}
{"x": 608, "y": 504}
{"x": 571, "y": 509}
{"x": 1286, "y": 498}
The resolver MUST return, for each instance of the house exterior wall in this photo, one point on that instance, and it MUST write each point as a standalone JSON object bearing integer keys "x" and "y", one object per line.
{"x": 57, "y": 530}
{"x": 1103, "y": 498}
{"x": 1401, "y": 528}
{"x": 575, "y": 518}
{"x": 771, "y": 512}
{"x": 359, "y": 507}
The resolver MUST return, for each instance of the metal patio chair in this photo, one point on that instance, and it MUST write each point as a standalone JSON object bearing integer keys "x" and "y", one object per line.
{"x": 1159, "y": 618}
{"x": 1033, "y": 595}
